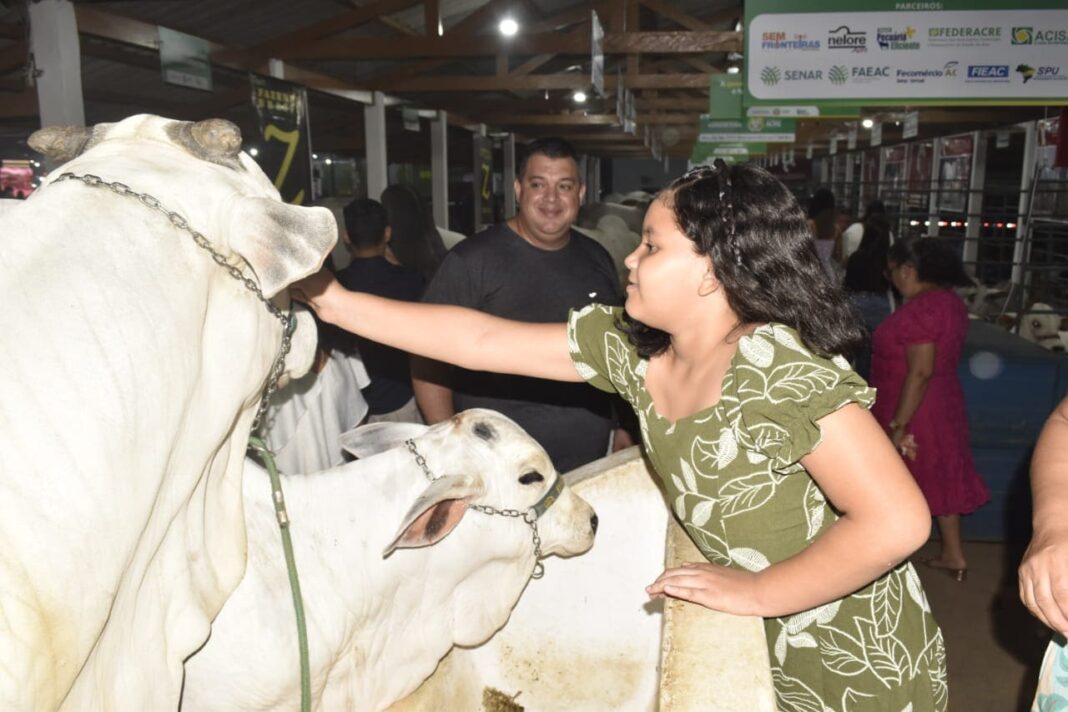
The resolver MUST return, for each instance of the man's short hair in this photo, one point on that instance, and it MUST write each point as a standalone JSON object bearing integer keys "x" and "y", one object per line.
{"x": 366, "y": 222}
{"x": 550, "y": 147}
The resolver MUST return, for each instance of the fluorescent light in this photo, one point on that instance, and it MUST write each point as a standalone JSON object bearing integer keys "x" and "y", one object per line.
{"x": 867, "y": 123}
{"x": 733, "y": 70}
{"x": 579, "y": 96}
{"x": 254, "y": 152}
{"x": 329, "y": 161}
{"x": 508, "y": 27}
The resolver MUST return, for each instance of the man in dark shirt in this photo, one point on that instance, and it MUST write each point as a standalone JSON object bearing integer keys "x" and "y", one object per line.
{"x": 389, "y": 395}
{"x": 535, "y": 268}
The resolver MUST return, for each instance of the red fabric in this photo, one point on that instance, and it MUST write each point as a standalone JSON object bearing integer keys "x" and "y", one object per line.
{"x": 943, "y": 467}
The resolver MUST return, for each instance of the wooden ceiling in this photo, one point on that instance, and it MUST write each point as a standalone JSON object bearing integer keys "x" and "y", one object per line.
{"x": 662, "y": 50}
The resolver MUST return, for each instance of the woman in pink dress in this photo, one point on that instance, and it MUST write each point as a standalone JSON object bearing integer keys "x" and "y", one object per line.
{"x": 915, "y": 352}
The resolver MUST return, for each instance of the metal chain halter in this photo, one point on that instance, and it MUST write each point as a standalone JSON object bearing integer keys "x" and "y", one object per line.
{"x": 288, "y": 323}
{"x": 530, "y": 516}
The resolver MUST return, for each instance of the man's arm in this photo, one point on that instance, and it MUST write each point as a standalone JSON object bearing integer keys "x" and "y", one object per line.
{"x": 432, "y": 384}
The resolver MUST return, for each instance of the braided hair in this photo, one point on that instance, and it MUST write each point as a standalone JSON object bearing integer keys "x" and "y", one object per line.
{"x": 754, "y": 232}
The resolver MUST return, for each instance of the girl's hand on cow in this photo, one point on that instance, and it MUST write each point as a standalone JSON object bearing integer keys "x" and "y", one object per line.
{"x": 1044, "y": 578}
{"x": 317, "y": 291}
{"x": 716, "y": 587}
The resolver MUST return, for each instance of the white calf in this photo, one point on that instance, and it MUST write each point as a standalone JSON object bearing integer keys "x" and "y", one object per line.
{"x": 385, "y": 604}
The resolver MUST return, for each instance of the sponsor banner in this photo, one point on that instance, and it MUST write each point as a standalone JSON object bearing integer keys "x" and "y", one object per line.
{"x": 750, "y": 130}
{"x": 926, "y": 52}
{"x": 285, "y": 148}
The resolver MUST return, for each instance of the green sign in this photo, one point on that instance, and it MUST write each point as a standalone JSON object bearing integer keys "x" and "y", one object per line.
{"x": 895, "y": 52}
{"x": 755, "y": 130}
{"x": 725, "y": 96}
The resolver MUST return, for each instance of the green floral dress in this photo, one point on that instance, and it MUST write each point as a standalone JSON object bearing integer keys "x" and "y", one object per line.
{"x": 733, "y": 477}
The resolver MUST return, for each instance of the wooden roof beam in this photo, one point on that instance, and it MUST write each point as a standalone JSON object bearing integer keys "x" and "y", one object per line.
{"x": 451, "y": 45}
{"x": 552, "y": 119}
{"x": 315, "y": 31}
{"x": 541, "y": 82}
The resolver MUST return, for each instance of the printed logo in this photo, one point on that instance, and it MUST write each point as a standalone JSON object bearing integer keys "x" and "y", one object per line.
{"x": 1031, "y": 36}
{"x": 844, "y": 38}
{"x": 1040, "y": 74}
{"x": 866, "y": 74}
{"x": 770, "y": 76}
{"x": 988, "y": 72}
{"x": 779, "y": 40}
{"x": 773, "y": 75}
{"x": 838, "y": 74}
{"x": 963, "y": 36}
{"x": 920, "y": 76}
{"x": 950, "y": 69}
{"x": 888, "y": 38}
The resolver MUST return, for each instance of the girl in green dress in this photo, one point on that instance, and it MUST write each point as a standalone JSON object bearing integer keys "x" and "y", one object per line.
{"x": 729, "y": 349}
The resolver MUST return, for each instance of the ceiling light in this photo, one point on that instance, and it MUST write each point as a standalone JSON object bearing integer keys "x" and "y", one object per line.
{"x": 579, "y": 96}
{"x": 867, "y": 123}
{"x": 508, "y": 27}
{"x": 315, "y": 156}
{"x": 329, "y": 161}
{"x": 254, "y": 152}
{"x": 733, "y": 70}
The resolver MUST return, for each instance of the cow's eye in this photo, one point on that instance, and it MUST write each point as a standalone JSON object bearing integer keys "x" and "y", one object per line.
{"x": 531, "y": 477}
{"x": 1035, "y": 323}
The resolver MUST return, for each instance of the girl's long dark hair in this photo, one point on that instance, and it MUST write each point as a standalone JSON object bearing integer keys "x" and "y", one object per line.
{"x": 754, "y": 232}
{"x": 416, "y": 241}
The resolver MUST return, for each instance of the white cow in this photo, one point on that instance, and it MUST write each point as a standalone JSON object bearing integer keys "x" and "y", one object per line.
{"x": 395, "y": 569}
{"x": 132, "y": 367}
{"x": 1042, "y": 326}
{"x": 590, "y": 215}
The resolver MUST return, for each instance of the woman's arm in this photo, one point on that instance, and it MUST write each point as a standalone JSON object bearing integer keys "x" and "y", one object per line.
{"x": 456, "y": 335}
{"x": 884, "y": 519}
{"x": 921, "y": 362}
{"x": 1044, "y": 571}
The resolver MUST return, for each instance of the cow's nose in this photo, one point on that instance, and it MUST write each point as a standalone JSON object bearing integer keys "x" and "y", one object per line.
{"x": 593, "y": 523}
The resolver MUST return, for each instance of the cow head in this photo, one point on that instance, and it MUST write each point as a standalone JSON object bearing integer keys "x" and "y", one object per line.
{"x": 219, "y": 189}
{"x": 480, "y": 457}
{"x": 1042, "y": 326}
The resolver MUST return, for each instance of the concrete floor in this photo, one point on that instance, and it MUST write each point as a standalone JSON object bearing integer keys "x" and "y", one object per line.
{"x": 994, "y": 646}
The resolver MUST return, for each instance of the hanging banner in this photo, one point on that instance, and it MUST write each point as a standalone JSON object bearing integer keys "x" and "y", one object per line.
{"x": 920, "y": 53}
{"x": 597, "y": 55}
{"x": 892, "y": 171}
{"x": 834, "y": 145}
{"x": 918, "y": 163}
{"x": 851, "y": 136}
{"x": 911, "y": 125}
{"x": 185, "y": 59}
{"x": 285, "y": 145}
{"x": 756, "y": 130}
{"x": 483, "y": 177}
{"x": 1050, "y": 196}
{"x": 876, "y": 135}
{"x": 954, "y": 172}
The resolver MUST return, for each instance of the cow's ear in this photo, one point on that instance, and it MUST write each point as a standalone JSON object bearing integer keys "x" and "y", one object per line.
{"x": 436, "y": 512}
{"x": 373, "y": 438}
{"x": 282, "y": 243}
{"x": 301, "y": 354}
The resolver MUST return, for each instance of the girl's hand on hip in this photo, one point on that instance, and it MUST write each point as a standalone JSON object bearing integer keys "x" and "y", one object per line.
{"x": 716, "y": 587}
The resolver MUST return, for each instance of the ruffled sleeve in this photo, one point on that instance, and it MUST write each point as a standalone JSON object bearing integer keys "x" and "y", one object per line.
{"x": 597, "y": 348}
{"x": 778, "y": 390}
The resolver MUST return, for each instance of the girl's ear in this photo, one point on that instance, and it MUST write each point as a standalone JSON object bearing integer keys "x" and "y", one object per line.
{"x": 709, "y": 283}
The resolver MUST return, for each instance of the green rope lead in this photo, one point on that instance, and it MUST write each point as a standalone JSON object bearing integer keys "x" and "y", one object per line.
{"x": 260, "y": 447}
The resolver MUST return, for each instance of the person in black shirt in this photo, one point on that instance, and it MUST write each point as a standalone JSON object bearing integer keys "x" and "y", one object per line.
{"x": 389, "y": 395}
{"x": 534, "y": 268}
